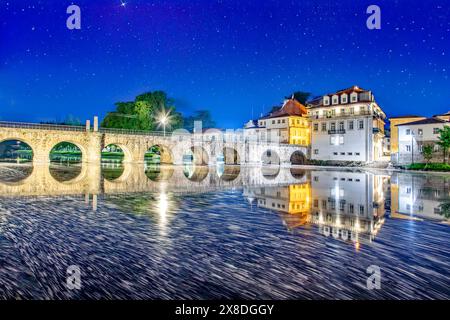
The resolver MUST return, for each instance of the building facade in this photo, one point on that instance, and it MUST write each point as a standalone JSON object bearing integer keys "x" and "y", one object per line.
{"x": 286, "y": 125}
{"x": 347, "y": 125}
{"x": 394, "y": 122}
{"x": 413, "y": 136}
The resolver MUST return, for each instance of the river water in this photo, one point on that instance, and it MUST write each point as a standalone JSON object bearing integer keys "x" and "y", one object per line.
{"x": 152, "y": 232}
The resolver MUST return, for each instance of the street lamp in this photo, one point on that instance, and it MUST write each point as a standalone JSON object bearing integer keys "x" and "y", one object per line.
{"x": 163, "y": 120}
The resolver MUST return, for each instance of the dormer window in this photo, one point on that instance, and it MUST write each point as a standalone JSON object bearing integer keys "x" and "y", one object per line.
{"x": 344, "y": 98}
{"x": 335, "y": 100}
{"x": 326, "y": 101}
{"x": 354, "y": 97}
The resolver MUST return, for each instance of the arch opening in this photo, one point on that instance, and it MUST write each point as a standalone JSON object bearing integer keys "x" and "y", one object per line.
{"x": 298, "y": 158}
{"x": 158, "y": 154}
{"x": 65, "y": 161}
{"x": 195, "y": 173}
{"x": 196, "y": 156}
{"x": 158, "y": 173}
{"x": 229, "y": 156}
{"x": 270, "y": 173}
{"x": 228, "y": 173}
{"x": 66, "y": 153}
{"x": 297, "y": 173}
{"x": 15, "y": 151}
{"x": 270, "y": 158}
{"x": 112, "y": 158}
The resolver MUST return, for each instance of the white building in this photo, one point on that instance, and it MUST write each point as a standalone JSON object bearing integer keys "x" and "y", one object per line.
{"x": 412, "y": 136}
{"x": 347, "y": 125}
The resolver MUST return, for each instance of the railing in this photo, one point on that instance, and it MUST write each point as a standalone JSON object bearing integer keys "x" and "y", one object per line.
{"x": 134, "y": 132}
{"x": 41, "y": 126}
{"x": 338, "y": 131}
{"x": 44, "y": 126}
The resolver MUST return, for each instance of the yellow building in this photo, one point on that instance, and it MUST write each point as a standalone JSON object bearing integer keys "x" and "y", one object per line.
{"x": 289, "y": 124}
{"x": 394, "y": 121}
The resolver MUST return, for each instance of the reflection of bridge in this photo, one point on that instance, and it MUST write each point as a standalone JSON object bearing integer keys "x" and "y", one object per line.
{"x": 138, "y": 178}
{"x": 205, "y": 147}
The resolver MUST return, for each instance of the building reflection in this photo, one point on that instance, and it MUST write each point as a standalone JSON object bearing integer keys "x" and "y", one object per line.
{"x": 420, "y": 196}
{"x": 349, "y": 206}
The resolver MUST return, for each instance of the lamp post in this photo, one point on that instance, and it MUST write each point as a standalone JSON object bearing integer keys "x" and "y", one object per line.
{"x": 163, "y": 121}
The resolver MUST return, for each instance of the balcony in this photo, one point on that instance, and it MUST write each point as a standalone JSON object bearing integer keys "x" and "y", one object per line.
{"x": 336, "y": 131}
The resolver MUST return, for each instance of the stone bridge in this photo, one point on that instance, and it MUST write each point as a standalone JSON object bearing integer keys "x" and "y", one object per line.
{"x": 205, "y": 148}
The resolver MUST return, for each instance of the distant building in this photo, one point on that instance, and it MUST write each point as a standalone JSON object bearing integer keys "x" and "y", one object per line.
{"x": 394, "y": 122}
{"x": 288, "y": 124}
{"x": 347, "y": 125}
{"x": 414, "y": 135}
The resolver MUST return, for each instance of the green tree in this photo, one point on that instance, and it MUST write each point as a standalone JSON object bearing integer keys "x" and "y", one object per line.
{"x": 200, "y": 115}
{"x": 427, "y": 152}
{"x": 444, "y": 140}
{"x": 143, "y": 113}
{"x": 445, "y": 210}
{"x": 300, "y": 96}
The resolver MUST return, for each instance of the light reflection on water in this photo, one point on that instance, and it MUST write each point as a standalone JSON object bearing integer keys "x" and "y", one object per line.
{"x": 150, "y": 231}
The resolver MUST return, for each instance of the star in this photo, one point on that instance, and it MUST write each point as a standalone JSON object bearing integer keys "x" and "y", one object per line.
{"x": 123, "y": 3}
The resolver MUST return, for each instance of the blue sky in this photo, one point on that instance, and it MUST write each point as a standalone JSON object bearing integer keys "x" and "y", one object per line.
{"x": 234, "y": 58}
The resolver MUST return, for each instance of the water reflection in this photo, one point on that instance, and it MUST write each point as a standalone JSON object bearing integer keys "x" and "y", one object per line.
{"x": 172, "y": 223}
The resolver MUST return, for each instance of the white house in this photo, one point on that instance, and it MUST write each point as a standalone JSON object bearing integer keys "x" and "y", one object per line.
{"x": 413, "y": 136}
{"x": 347, "y": 125}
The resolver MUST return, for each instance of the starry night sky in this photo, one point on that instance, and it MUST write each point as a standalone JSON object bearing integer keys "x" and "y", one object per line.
{"x": 228, "y": 56}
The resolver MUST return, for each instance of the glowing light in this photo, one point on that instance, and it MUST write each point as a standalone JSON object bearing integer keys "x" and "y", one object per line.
{"x": 357, "y": 246}
{"x": 123, "y": 3}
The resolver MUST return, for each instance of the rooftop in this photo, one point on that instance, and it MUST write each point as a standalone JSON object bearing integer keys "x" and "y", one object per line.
{"x": 291, "y": 107}
{"x": 424, "y": 121}
{"x": 407, "y": 116}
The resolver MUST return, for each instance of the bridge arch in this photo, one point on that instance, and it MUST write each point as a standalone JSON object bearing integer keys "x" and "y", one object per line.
{"x": 199, "y": 155}
{"x": 270, "y": 158}
{"x": 298, "y": 158}
{"x": 159, "y": 153}
{"x": 195, "y": 173}
{"x": 15, "y": 150}
{"x": 68, "y": 147}
{"x": 228, "y": 173}
{"x": 231, "y": 156}
{"x": 119, "y": 151}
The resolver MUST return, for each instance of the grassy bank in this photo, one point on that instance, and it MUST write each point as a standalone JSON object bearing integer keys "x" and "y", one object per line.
{"x": 444, "y": 167}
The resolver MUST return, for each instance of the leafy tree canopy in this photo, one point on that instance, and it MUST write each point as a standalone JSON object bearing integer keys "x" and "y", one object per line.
{"x": 200, "y": 115}
{"x": 300, "y": 96}
{"x": 143, "y": 113}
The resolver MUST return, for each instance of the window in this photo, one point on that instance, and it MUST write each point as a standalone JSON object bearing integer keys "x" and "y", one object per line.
{"x": 350, "y": 153}
{"x": 352, "y": 110}
{"x": 278, "y": 121}
{"x": 335, "y": 100}
{"x": 324, "y": 126}
{"x": 344, "y": 99}
{"x": 420, "y": 148}
{"x": 357, "y": 153}
{"x": 273, "y": 121}
{"x": 316, "y": 178}
{"x": 342, "y": 153}
{"x": 351, "y": 208}
{"x": 350, "y": 125}
{"x": 316, "y": 151}
{"x": 361, "y": 124}
{"x": 333, "y": 126}
{"x": 408, "y": 148}
{"x": 316, "y": 126}
{"x": 335, "y": 153}
{"x": 420, "y": 132}
{"x": 324, "y": 204}
{"x": 361, "y": 209}
{"x": 436, "y": 148}
{"x": 353, "y": 98}
{"x": 408, "y": 132}
{"x": 342, "y": 111}
{"x": 341, "y": 126}
{"x": 283, "y": 121}
{"x": 316, "y": 203}
{"x": 435, "y": 130}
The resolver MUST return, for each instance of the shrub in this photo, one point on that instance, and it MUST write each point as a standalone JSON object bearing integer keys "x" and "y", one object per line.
{"x": 430, "y": 167}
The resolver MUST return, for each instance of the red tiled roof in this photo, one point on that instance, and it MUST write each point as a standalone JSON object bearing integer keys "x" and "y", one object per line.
{"x": 291, "y": 107}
